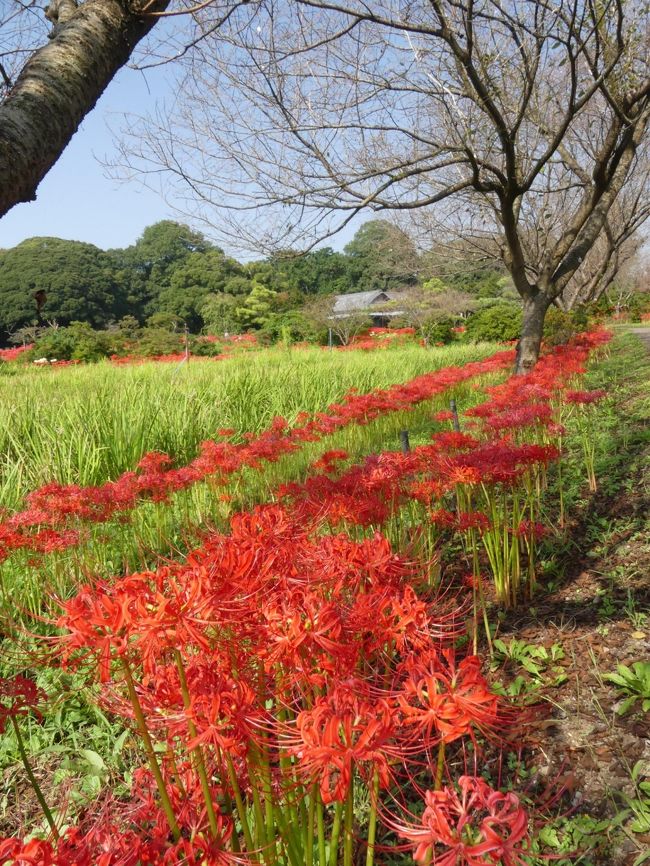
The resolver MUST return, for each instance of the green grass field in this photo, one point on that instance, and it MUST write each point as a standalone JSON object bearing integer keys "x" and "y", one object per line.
{"x": 88, "y": 424}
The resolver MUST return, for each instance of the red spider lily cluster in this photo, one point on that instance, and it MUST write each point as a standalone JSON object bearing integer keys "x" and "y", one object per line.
{"x": 13, "y": 354}
{"x": 18, "y": 696}
{"x": 492, "y": 480}
{"x": 280, "y": 668}
{"x": 476, "y": 826}
{"x": 286, "y": 665}
{"x": 54, "y": 511}
{"x": 379, "y": 338}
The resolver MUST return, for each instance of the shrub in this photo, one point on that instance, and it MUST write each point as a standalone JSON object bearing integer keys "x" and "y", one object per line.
{"x": 559, "y": 326}
{"x": 158, "y": 341}
{"x": 497, "y": 322}
{"x": 290, "y": 327}
{"x": 438, "y": 331}
{"x": 77, "y": 342}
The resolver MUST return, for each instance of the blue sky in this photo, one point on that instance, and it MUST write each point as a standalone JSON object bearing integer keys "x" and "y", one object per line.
{"x": 77, "y": 201}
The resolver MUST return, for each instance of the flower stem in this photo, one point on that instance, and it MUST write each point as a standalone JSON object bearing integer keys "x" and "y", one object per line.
{"x": 440, "y": 766}
{"x": 348, "y": 825}
{"x": 311, "y": 812}
{"x": 32, "y": 780}
{"x": 336, "y": 832}
{"x": 322, "y": 857}
{"x": 372, "y": 825}
{"x": 197, "y": 751}
{"x": 151, "y": 755}
{"x": 241, "y": 809}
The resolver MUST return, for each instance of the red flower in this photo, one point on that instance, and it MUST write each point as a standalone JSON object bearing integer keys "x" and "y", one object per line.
{"x": 478, "y": 827}
{"x": 445, "y": 702}
{"x": 18, "y": 695}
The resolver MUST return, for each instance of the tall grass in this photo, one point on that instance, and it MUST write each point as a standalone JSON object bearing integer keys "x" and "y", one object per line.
{"x": 88, "y": 424}
{"x": 273, "y": 383}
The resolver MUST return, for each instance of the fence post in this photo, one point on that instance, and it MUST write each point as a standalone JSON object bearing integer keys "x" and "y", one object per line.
{"x": 404, "y": 441}
{"x": 454, "y": 411}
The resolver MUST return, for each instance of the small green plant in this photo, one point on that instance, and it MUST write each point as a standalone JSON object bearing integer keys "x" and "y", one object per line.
{"x": 633, "y": 682}
{"x": 639, "y": 806}
{"x": 566, "y": 841}
{"x": 538, "y": 662}
{"x": 638, "y": 618}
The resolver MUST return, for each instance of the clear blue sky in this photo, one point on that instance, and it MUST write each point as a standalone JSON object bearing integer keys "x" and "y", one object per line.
{"x": 77, "y": 201}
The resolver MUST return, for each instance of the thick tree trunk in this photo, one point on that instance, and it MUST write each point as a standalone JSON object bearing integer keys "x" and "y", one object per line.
{"x": 532, "y": 329}
{"x": 59, "y": 85}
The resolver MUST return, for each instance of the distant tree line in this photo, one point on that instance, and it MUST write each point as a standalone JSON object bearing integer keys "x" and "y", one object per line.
{"x": 174, "y": 277}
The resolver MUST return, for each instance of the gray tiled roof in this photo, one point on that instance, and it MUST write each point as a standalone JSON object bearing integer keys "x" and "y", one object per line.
{"x": 359, "y": 301}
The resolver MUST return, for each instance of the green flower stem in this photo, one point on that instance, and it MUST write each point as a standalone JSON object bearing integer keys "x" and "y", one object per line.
{"x": 336, "y": 832}
{"x": 320, "y": 819}
{"x": 151, "y": 754}
{"x": 241, "y": 808}
{"x": 440, "y": 766}
{"x": 311, "y": 812}
{"x": 32, "y": 780}
{"x": 348, "y": 835}
{"x": 197, "y": 751}
{"x": 372, "y": 824}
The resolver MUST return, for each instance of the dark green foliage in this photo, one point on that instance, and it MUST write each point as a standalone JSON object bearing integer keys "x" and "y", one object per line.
{"x": 437, "y": 331}
{"x": 291, "y": 327}
{"x": 199, "y": 275}
{"x": 219, "y": 313}
{"x": 560, "y": 326}
{"x": 497, "y": 322}
{"x": 320, "y": 272}
{"x": 79, "y": 280}
{"x": 382, "y": 256}
{"x": 77, "y": 342}
{"x": 158, "y": 341}
{"x": 165, "y": 321}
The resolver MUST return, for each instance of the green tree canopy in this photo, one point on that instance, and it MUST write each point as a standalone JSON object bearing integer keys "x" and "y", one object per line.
{"x": 196, "y": 277}
{"x": 78, "y": 279}
{"x": 255, "y": 310}
{"x": 146, "y": 268}
{"x": 382, "y": 256}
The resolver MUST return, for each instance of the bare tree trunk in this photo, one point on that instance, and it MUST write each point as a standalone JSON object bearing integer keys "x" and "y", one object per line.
{"x": 532, "y": 330}
{"x": 59, "y": 85}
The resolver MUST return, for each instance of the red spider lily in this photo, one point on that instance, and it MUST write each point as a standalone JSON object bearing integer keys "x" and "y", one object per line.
{"x": 344, "y": 731}
{"x": 328, "y": 460}
{"x": 443, "y": 701}
{"x": 18, "y": 696}
{"x": 35, "y": 852}
{"x": 584, "y": 398}
{"x": 531, "y": 529}
{"x": 478, "y": 826}
{"x": 55, "y": 505}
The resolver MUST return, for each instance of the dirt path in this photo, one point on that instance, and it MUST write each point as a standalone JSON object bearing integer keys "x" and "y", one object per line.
{"x": 643, "y": 334}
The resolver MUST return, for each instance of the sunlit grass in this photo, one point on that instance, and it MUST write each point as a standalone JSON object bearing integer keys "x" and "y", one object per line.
{"x": 88, "y": 424}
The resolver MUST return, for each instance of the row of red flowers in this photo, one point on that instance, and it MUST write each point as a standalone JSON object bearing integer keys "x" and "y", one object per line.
{"x": 283, "y": 667}
{"x": 54, "y": 509}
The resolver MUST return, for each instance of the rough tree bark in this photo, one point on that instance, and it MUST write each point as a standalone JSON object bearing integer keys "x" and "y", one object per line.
{"x": 60, "y": 84}
{"x": 532, "y": 329}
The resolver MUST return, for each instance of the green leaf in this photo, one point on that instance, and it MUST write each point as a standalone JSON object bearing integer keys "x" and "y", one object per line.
{"x": 119, "y": 743}
{"x": 96, "y": 761}
{"x": 548, "y": 836}
{"x": 626, "y": 704}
